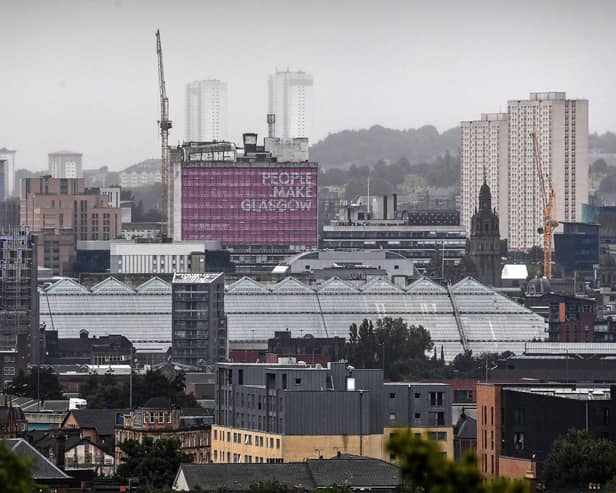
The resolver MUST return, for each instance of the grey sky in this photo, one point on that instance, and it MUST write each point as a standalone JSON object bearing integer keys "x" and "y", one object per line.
{"x": 81, "y": 74}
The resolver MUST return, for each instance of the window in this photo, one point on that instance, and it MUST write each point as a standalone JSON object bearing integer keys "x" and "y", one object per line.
{"x": 392, "y": 416}
{"x": 440, "y": 436}
{"x": 417, "y": 395}
{"x": 417, "y": 415}
{"x": 605, "y": 416}
{"x": 298, "y": 381}
{"x": 519, "y": 416}
{"x": 277, "y": 442}
{"x": 215, "y": 434}
{"x": 518, "y": 440}
{"x": 436, "y": 398}
{"x": 392, "y": 396}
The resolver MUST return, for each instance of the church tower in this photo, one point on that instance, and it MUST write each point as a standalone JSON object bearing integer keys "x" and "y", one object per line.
{"x": 484, "y": 248}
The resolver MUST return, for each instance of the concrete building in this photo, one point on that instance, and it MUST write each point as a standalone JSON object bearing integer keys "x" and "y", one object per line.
{"x": 62, "y": 211}
{"x": 7, "y": 174}
{"x": 156, "y": 258}
{"x": 19, "y": 311}
{"x": 65, "y": 164}
{"x": 206, "y": 110}
{"x": 396, "y": 266}
{"x": 517, "y": 424}
{"x": 199, "y": 324}
{"x": 561, "y": 126}
{"x": 484, "y": 155}
{"x": 145, "y": 173}
{"x": 291, "y": 100}
{"x": 259, "y": 208}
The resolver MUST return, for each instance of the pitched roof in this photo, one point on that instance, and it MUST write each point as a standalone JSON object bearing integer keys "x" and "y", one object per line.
{"x": 157, "y": 403}
{"x": 101, "y": 420}
{"x": 467, "y": 428}
{"x": 347, "y": 470}
{"x": 43, "y": 469}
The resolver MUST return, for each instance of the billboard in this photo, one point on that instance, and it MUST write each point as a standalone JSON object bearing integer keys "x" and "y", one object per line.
{"x": 256, "y": 205}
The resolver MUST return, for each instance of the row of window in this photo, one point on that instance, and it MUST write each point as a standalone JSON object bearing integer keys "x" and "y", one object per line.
{"x": 248, "y": 439}
{"x": 246, "y": 459}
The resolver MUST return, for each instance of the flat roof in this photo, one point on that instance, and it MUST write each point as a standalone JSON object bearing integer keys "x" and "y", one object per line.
{"x": 200, "y": 278}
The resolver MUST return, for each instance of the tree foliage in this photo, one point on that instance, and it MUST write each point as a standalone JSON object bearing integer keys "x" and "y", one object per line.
{"x": 15, "y": 472}
{"x": 106, "y": 392}
{"x": 577, "y": 459}
{"x": 26, "y": 384}
{"x": 426, "y": 470}
{"x": 153, "y": 464}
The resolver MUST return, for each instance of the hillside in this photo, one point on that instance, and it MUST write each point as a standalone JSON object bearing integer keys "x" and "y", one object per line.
{"x": 368, "y": 146}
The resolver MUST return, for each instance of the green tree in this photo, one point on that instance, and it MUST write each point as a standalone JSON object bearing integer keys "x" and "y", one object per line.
{"x": 153, "y": 464}
{"x": 15, "y": 472}
{"x": 425, "y": 470}
{"x": 37, "y": 382}
{"x": 577, "y": 459}
{"x": 599, "y": 166}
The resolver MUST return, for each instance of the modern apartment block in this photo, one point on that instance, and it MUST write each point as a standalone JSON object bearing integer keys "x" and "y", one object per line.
{"x": 423, "y": 408}
{"x": 7, "y": 173}
{"x": 156, "y": 258}
{"x": 290, "y": 412}
{"x": 517, "y": 424}
{"x": 206, "y": 110}
{"x": 62, "y": 211}
{"x": 484, "y": 154}
{"x": 19, "y": 309}
{"x": 291, "y": 101}
{"x": 199, "y": 325}
{"x": 561, "y": 126}
{"x": 65, "y": 164}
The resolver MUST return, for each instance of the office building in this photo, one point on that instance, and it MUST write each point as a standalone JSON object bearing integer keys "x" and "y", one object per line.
{"x": 517, "y": 424}
{"x": 65, "y": 164}
{"x": 199, "y": 325}
{"x": 19, "y": 312}
{"x": 142, "y": 315}
{"x": 561, "y": 126}
{"x": 155, "y": 258}
{"x": 62, "y": 211}
{"x": 291, "y": 101}
{"x": 9, "y": 214}
{"x": 261, "y": 209}
{"x": 206, "y": 111}
{"x": 7, "y": 174}
{"x": 484, "y": 156}
{"x": 576, "y": 248}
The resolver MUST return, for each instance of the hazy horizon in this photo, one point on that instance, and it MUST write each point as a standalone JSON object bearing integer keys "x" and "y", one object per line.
{"x": 82, "y": 74}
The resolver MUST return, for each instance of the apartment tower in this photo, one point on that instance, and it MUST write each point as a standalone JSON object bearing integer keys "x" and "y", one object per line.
{"x": 65, "y": 164}
{"x": 561, "y": 126}
{"x": 206, "y": 110}
{"x": 484, "y": 155}
{"x": 291, "y": 100}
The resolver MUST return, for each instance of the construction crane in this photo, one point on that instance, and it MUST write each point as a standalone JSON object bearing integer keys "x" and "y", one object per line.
{"x": 549, "y": 203}
{"x": 165, "y": 125}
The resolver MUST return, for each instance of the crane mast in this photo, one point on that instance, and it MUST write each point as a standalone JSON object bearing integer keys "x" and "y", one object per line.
{"x": 165, "y": 125}
{"x": 549, "y": 203}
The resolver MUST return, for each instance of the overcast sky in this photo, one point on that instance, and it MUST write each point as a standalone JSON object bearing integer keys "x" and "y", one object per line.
{"x": 82, "y": 74}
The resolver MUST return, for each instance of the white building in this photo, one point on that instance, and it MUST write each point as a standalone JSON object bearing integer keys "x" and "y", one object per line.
{"x": 562, "y": 128}
{"x": 65, "y": 164}
{"x": 484, "y": 152}
{"x": 7, "y": 172}
{"x": 155, "y": 258}
{"x": 113, "y": 195}
{"x": 291, "y": 99}
{"x": 206, "y": 110}
{"x": 139, "y": 178}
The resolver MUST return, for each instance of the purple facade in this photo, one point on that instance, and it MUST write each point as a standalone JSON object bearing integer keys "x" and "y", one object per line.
{"x": 241, "y": 205}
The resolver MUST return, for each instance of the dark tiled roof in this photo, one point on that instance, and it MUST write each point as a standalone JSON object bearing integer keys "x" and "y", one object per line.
{"x": 44, "y": 469}
{"x": 101, "y": 420}
{"x": 54, "y": 405}
{"x": 157, "y": 403}
{"x": 196, "y": 411}
{"x": 351, "y": 471}
{"x": 47, "y": 439}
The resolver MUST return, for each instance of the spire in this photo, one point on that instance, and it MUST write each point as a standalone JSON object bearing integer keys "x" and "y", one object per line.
{"x": 485, "y": 196}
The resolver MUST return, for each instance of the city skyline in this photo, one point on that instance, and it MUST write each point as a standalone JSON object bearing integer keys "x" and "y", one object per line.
{"x": 104, "y": 89}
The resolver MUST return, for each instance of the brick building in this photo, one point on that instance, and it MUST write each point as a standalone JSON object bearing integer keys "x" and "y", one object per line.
{"x": 62, "y": 211}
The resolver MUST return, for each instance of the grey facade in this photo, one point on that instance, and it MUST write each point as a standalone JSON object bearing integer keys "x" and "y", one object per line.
{"x": 299, "y": 400}
{"x": 199, "y": 325}
{"x": 418, "y": 405}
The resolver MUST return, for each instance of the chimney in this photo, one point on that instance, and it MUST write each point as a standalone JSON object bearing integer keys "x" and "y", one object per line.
{"x": 271, "y": 125}
{"x": 60, "y": 443}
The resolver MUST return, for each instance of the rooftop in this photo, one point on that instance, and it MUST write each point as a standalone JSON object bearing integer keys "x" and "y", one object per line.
{"x": 201, "y": 278}
{"x": 578, "y": 393}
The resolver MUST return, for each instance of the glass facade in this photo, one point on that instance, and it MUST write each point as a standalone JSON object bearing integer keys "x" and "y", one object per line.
{"x": 250, "y": 205}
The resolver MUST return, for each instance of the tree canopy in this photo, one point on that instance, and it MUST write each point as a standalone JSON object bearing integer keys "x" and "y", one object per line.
{"x": 26, "y": 384}
{"x": 15, "y": 472}
{"x": 577, "y": 459}
{"x": 426, "y": 470}
{"x": 106, "y": 392}
{"x": 153, "y": 464}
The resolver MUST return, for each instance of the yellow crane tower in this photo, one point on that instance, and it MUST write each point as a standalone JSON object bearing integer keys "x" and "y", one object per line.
{"x": 549, "y": 203}
{"x": 165, "y": 125}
